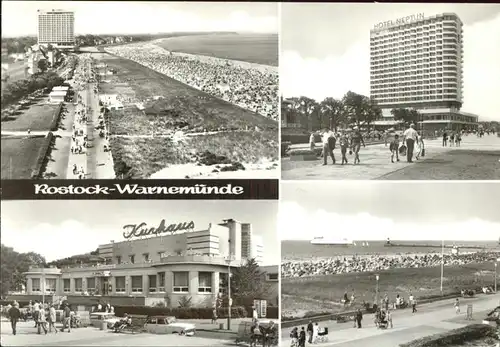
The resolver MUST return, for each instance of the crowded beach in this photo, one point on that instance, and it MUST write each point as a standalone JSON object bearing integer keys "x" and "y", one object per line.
{"x": 251, "y": 86}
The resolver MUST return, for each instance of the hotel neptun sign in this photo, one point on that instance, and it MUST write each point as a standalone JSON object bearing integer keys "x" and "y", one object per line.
{"x": 399, "y": 21}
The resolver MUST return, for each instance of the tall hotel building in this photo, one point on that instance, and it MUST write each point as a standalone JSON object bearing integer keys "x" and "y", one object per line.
{"x": 176, "y": 261}
{"x": 417, "y": 62}
{"x": 57, "y": 28}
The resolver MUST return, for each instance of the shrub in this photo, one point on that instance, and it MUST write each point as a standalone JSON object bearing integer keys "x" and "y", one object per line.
{"x": 181, "y": 312}
{"x": 55, "y": 119}
{"x": 284, "y": 147}
{"x": 454, "y": 337}
{"x": 43, "y": 156}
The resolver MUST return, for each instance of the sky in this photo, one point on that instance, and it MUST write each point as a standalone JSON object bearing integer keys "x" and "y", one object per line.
{"x": 399, "y": 211}
{"x": 325, "y": 49}
{"x": 60, "y": 229}
{"x": 123, "y": 17}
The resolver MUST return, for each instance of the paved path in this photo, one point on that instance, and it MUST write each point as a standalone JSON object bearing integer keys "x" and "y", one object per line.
{"x": 475, "y": 154}
{"x": 431, "y": 318}
{"x": 26, "y": 336}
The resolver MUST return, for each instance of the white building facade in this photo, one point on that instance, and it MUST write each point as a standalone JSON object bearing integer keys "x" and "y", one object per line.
{"x": 417, "y": 62}
{"x": 57, "y": 28}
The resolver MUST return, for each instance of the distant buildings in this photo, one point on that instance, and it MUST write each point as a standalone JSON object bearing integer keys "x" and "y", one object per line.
{"x": 56, "y": 28}
{"x": 417, "y": 62}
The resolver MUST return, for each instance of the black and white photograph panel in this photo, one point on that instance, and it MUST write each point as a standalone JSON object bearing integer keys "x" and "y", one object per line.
{"x": 139, "y": 273}
{"x": 364, "y": 265}
{"x": 138, "y": 90}
{"x": 387, "y": 91}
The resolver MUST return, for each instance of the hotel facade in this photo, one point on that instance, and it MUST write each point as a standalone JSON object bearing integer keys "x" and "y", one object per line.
{"x": 416, "y": 62}
{"x": 176, "y": 262}
{"x": 57, "y": 28}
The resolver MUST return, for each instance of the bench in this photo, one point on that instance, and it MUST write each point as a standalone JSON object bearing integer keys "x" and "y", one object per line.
{"x": 138, "y": 324}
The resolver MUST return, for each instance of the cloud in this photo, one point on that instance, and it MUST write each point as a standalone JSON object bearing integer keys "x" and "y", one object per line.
{"x": 336, "y": 74}
{"x": 296, "y": 223}
{"x": 53, "y": 241}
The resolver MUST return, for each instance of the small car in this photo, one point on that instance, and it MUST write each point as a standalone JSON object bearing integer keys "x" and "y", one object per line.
{"x": 97, "y": 317}
{"x": 169, "y": 325}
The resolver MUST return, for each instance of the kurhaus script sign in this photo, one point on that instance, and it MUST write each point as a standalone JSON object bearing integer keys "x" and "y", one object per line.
{"x": 138, "y": 230}
{"x": 399, "y": 21}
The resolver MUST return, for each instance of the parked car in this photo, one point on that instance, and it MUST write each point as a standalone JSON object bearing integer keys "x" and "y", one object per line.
{"x": 169, "y": 325}
{"x": 97, "y": 317}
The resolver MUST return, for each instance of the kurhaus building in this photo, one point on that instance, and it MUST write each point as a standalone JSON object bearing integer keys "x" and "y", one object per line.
{"x": 155, "y": 262}
{"x": 417, "y": 62}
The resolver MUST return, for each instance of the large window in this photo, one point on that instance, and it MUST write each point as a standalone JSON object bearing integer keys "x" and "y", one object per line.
{"x": 181, "y": 282}
{"x": 205, "y": 282}
{"x": 152, "y": 283}
{"x": 35, "y": 285}
{"x": 136, "y": 284}
{"x": 50, "y": 285}
{"x": 120, "y": 284}
{"x": 161, "y": 281}
{"x": 78, "y": 285}
{"x": 66, "y": 285}
{"x": 132, "y": 259}
{"x": 91, "y": 283}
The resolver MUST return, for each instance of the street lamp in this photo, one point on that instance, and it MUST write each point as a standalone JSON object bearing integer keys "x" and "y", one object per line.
{"x": 496, "y": 274}
{"x": 377, "y": 277}
{"x": 229, "y": 300}
{"x": 442, "y": 264}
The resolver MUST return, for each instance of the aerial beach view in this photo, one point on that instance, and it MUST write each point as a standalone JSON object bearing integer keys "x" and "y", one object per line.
{"x": 191, "y": 93}
{"x": 374, "y": 248}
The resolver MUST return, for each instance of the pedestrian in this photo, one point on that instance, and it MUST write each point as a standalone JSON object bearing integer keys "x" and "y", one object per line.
{"x": 66, "y": 318}
{"x": 52, "y": 318}
{"x": 14, "y": 315}
{"x": 410, "y": 135}
{"x": 36, "y": 311}
{"x": 302, "y": 338}
{"x": 452, "y": 139}
{"x": 445, "y": 138}
{"x": 388, "y": 316}
{"x": 344, "y": 145}
{"x": 413, "y": 303}
{"x": 214, "y": 316}
{"x": 294, "y": 336}
{"x": 359, "y": 317}
{"x": 42, "y": 321}
{"x": 394, "y": 148}
{"x": 356, "y": 141}
{"x": 310, "y": 329}
{"x": 420, "y": 147}
{"x": 315, "y": 332}
{"x": 328, "y": 139}
{"x": 312, "y": 142}
{"x": 457, "y": 306}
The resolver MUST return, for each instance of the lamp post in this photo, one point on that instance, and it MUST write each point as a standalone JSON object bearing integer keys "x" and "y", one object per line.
{"x": 442, "y": 264}
{"x": 43, "y": 286}
{"x": 377, "y": 277}
{"x": 496, "y": 274}
{"x": 229, "y": 300}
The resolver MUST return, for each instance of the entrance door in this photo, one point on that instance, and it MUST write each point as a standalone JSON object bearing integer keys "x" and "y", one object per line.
{"x": 105, "y": 286}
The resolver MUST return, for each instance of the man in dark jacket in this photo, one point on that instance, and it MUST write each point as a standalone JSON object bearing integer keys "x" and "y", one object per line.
{"x": 310, "y": 331}
{"x": 14, "y": 315}
{"x": 302, "y": 337}
{"x": 359, "y": 317}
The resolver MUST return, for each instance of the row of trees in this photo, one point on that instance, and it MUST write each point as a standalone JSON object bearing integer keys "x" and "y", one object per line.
{"x": 352, "y": 109}
{"x": 16, "y": 90}
{"x": 13, "y": 265}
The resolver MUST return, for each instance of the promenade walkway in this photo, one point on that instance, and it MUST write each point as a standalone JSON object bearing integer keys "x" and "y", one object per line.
{"x": 476, "y": 158}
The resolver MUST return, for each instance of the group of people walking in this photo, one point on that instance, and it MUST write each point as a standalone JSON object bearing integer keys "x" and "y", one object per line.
{"x": 44, "y": 317}
{"x": 351, "y": 143}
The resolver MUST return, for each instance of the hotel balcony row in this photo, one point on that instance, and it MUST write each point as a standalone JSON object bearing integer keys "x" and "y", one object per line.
{"x": 383, "y": 102}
